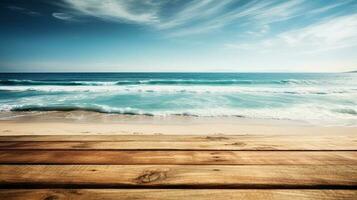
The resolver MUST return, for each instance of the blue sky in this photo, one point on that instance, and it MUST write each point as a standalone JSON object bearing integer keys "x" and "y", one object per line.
{"x": 178, "y": 35}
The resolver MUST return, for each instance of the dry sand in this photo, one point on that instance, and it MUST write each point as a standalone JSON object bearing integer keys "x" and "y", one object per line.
{"x": 68, "y": 123}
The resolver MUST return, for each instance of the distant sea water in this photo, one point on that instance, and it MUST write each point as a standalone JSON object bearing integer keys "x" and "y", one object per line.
{"x": 318, "y": 98}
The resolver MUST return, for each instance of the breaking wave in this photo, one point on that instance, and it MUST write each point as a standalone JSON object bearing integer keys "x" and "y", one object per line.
{"x": 330, "y": 98}
{"x": 15, "y": 82}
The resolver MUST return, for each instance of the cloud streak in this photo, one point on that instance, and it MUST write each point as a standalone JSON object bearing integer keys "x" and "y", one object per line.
{"x": 23, "y": 10}
{"x": 133, "y": 11}
{"x": 198, "y": 34}
{"x": 198, "y": 16}
{"x": 63, "y": 16}
{"x": 330, "y": 34}
{"x": 255, "y": 19}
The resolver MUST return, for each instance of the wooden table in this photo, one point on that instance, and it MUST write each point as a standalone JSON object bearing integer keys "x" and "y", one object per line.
{"x": 178, "y": 167}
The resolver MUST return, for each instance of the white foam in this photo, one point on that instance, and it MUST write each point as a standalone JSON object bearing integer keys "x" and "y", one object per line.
{"x": 180, "y": 89}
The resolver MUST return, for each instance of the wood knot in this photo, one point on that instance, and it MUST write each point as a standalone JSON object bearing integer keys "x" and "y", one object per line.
{"x": 216, "y": 138}
{"x": 152, "y": 175}
{"x": 237, "y": 144}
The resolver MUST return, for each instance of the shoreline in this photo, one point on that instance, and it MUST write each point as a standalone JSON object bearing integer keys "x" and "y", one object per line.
{"x": 88, "y": 123}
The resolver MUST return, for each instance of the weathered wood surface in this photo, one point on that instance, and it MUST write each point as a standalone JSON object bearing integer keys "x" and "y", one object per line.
{"x": 179, "y": 157}
{"x": 157, "y": 194}
{"x": 179, "y": 167}
{"x": 181, "y": 142}
{"x": 258, "y": 144}
{"x": 180, "y": 176}
{"x": 176, "y": 138}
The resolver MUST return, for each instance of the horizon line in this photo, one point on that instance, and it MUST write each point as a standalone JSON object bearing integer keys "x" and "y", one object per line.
{"x": 39, "y": 72}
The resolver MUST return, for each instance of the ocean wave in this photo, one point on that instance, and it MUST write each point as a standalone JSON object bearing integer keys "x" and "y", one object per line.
{"x": 293, "y": 90}
{"x": 297, "y": 82}
{"x": 104, "y": 109}
{"x": 310, "y": 113}
{"x": 15, "y": 82}
{"x": 346, "y": 111}
{"x": 328, "y": 98}
{"x": 187, "y": 82}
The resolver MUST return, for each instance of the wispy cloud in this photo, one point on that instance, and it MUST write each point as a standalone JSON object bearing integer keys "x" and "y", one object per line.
{"x": 133, "y": 11}
{"x": 195, "y": 11}
{"x": 195, "y": 16}
{"x": 64, "y": 16}
{"x": 254, "y": 17}
{"x": 332, "y": 33}
{"x": 23, "y": 10}
{"x": 191, "y": 33}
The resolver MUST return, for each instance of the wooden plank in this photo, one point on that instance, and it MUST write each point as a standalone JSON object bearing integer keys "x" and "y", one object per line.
{"x": 174, "y": 145}
{"x": 180, "y": 157}
{"x": 174, "y": 138}
{"x": 178, "y": 142}
{"x": 126, "y": 194}
{"x": 180, "y": 176}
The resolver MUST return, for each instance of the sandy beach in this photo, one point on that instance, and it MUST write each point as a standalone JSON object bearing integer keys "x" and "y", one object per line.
{"x": 87, "y": 123}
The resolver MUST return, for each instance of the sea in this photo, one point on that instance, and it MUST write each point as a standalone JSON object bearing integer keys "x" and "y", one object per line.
{"x": 315, "y": 98}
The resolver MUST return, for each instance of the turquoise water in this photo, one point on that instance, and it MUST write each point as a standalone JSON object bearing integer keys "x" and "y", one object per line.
{"x": 327, "y": 99}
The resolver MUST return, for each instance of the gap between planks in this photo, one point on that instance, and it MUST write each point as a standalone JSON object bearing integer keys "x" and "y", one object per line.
{"x": 170, "y": 194}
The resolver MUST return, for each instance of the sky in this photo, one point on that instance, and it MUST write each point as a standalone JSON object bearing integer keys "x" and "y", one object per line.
{"x": 178, "y": 35}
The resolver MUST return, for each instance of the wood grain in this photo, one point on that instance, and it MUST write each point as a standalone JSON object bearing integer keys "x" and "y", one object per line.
{"x": 178, "y": 167}
{"x": 179, "y": 157}
{"x": 177, "y": 138}
{"x": 180, "y": 176}
{"x": 181, "y": 142}
{"x": 125, "y": 194}
{"x": 174, "y": 145}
